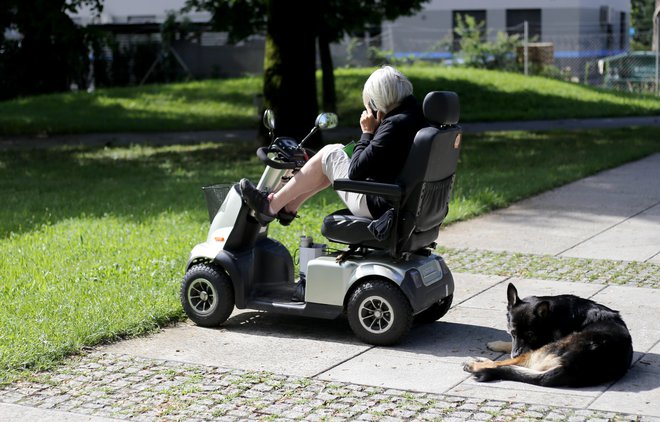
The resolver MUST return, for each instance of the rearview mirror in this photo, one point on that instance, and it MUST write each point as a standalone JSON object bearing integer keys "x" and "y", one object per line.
{"x": 269, "y": 119}
{"x": 327, "y": 121}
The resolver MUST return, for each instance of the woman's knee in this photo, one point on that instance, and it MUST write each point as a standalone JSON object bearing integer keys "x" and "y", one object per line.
{"x": 328, "y": 149}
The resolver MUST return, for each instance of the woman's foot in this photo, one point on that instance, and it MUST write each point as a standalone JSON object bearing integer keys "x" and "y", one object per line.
{"x": 257, "y": 201}
{"x": 286, "y": 217}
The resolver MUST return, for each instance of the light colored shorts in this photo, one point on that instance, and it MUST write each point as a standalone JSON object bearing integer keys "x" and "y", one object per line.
{"x": 335, "y": 164}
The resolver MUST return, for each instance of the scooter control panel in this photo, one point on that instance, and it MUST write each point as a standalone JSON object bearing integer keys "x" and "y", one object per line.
{"x": 286, "y": 145}
{"x": 288, "y": 151}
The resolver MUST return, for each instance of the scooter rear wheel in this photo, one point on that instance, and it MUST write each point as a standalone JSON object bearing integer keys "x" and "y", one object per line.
{"x": 435, "y": 311}
{"x": 207, "y": 295}
{"x": 379, "y": 313}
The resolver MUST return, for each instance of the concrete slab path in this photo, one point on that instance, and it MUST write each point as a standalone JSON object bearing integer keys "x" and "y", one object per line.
{"x": 614, "y": 214}
{"x": 339, "y": 134}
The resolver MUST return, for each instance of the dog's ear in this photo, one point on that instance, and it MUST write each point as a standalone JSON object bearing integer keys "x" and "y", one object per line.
{"x": 512, "y": 295}
{"x": 542, "y": 308}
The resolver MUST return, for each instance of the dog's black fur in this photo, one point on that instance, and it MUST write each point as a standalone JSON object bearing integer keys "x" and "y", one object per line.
{"x": 560, "y": 340}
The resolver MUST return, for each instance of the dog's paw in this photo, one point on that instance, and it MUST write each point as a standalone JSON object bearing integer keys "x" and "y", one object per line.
{"x": 475, "y": 364}
{"x": 480, "y": 373}
{"x": 499, "y": 346}
{"x": 469, "y": 366}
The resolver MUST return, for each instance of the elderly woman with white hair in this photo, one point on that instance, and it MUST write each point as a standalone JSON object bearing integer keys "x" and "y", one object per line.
{"x": 391, "y": 118}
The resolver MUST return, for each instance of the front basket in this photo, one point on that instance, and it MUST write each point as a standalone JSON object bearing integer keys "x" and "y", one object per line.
{"x": 215, "y": 195}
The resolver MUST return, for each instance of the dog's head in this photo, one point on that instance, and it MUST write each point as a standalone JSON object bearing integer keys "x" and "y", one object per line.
{"x": 528, "y": 322}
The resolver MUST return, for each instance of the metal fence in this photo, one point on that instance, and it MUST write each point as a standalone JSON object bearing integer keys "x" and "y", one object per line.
{"x": 591, "y": 55}
{"x": 588, "y": 55}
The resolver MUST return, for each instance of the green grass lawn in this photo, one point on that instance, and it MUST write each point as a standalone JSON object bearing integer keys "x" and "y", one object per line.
{"x": 94, "y": 241}
{"x": 229, "y": 103}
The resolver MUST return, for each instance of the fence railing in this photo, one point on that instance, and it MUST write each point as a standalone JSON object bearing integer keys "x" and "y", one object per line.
{"x": 594, "y": 56}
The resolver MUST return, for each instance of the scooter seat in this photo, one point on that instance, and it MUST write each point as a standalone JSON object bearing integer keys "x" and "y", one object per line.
{"x": 344, "y": 227}
{"x": 423, "y": 188}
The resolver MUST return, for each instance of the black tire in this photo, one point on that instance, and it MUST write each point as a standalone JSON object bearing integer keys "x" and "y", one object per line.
{"x": 379, "y": 313}
{"x": 207, "y": 295}
{"x": 435, "y": 311}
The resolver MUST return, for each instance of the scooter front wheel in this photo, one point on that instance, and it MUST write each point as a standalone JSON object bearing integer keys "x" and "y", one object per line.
{"x": 207, "y": 295}
{"x": 379, "y": 313}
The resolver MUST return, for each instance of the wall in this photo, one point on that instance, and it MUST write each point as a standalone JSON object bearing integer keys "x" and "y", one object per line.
{"x": 222, "y": 61}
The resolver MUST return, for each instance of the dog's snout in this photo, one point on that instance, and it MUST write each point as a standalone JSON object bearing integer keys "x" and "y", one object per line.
{"x": 517, "y": 349}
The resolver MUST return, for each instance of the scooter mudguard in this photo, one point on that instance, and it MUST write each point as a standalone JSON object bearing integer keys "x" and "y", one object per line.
{"x": 214, "y": 254}
{"x": 204, "y": 252}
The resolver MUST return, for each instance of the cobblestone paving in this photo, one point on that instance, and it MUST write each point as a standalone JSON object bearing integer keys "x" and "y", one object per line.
{"x": 131, "y": 388}
{"x": 604, "y": 271}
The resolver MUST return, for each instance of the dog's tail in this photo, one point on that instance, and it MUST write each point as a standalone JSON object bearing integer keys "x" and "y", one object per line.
{"x": 556, "y": 376}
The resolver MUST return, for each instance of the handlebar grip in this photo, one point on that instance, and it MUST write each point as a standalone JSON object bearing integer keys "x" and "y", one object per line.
{"x": 262, "y": 154}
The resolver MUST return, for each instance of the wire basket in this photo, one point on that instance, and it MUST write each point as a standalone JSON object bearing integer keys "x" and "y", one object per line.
{"x": 215, "y": 196}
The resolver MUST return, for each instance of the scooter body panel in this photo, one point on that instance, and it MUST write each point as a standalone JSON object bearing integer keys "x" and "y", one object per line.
{"x": 224, "y": 222}
{"x": 423, "y": 279}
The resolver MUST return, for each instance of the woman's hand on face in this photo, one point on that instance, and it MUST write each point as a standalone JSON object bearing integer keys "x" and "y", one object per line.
{"x": 368, "y": 122}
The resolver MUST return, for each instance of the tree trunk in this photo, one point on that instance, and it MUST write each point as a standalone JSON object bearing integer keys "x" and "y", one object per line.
{"x": 290, "y": 68}
{"x": 327, "y": 68}
{"x": 49, "y": 56}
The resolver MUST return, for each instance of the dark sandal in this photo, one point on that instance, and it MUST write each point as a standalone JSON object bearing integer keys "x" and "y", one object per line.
{"x": 257, "y": 201}
{"x": 285, "y": 218}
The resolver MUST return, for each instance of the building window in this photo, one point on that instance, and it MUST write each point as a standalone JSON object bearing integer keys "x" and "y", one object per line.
{"x": 515, "y": 22}
{"x": 141, "y": 19}
{"x": 479, "y": 17}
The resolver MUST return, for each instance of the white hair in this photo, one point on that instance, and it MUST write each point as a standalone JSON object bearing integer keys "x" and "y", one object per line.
{"x": 385, "y": 89}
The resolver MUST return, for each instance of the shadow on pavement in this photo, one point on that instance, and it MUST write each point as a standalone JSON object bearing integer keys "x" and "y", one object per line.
{"x": 439, "y": 339}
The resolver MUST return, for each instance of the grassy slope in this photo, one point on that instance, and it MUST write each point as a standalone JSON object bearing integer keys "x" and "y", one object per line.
{"x": 229, "y": 103}
{"x": 213, "y": 104}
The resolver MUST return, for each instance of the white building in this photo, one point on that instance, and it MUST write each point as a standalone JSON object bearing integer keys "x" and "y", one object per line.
{"x": 577, "y": 28}
{"x": 581, "y": 31}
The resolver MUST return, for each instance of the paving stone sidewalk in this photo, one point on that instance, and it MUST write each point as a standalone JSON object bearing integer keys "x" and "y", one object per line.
{"x": 100, "y": 385}
{"x": 104, "y": 385}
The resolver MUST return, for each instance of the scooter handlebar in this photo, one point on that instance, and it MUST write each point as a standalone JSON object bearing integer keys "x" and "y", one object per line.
{"x": 262, "y": 153}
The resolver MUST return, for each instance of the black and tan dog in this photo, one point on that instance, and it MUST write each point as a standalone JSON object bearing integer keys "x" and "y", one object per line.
{"x": 560, "y": 340}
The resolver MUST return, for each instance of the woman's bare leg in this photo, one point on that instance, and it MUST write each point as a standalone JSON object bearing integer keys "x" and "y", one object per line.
{"x": 304, "y": 184}
{"x": 293, "y": 206}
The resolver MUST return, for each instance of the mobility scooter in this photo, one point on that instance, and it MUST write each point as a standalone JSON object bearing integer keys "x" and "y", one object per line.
{"x": 387, "y": 276}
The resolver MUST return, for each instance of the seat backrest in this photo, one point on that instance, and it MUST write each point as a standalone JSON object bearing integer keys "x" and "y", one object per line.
{"x": 428, "y": 175}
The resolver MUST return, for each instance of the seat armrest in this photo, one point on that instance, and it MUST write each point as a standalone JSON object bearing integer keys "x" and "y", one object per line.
{"x": 387, "y": 190}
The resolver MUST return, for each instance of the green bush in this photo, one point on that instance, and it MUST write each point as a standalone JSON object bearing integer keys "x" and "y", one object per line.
{"x": 479, "y": 53}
